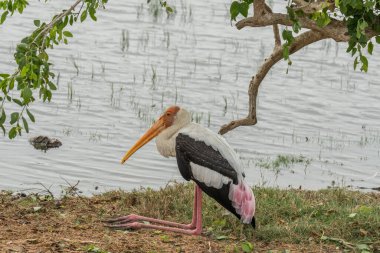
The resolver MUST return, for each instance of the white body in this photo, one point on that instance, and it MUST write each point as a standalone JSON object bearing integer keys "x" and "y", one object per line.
{"x": 240, "y": 195}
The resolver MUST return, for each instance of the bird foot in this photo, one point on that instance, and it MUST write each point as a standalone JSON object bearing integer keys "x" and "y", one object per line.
{"x": 137, "y": 218}
{"x": 134, "y": 222}
{"x": 124, "y": 226}
{"x": 122, "y": 219}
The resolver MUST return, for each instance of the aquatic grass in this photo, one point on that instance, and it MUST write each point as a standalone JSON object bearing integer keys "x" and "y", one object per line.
{"x": 76, "y": 66}
{"x": 196, "y": 117}
{"x": 58, "y": 79}
{"x": 79, "y": 103}
{"x": 139, "y": 11}
{"x": 67, "y": 131}
{"x": 167, "y": 39}
{"x": 94, "y": 136}
{"x": 103, "y": 67}
{"x": 282, "y": 161}
{"x": 70, "y": 91}
{"x": 155, "y": 9}
{"x": 154, "y": 77}
{"x": 225, "y": 105}
{"x": 124, "y": 40}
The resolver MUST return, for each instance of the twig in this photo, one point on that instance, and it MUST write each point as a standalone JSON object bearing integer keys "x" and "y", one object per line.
{"x": 57, "y": 19}
{"x": 299, "y": 42}
{"x": 47, "y": 190}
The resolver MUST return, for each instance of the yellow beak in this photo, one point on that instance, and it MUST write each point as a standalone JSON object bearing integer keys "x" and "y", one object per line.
{"x": 157, "y": 128}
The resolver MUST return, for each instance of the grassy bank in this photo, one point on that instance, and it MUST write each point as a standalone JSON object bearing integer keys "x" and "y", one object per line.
{"x": 333, "y": 220}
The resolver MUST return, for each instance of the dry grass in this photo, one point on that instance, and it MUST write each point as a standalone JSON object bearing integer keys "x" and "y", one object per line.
{"x": 288, "y": 220}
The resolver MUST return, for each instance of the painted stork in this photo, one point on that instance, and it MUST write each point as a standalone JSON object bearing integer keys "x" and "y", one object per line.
{"x": 202, "y": 156}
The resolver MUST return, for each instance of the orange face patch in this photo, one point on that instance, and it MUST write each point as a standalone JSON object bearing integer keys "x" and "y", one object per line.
{"x": 169, "y": 115}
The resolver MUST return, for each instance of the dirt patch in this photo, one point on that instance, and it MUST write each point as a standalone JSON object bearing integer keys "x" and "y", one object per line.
{"x": 74, "y": 224}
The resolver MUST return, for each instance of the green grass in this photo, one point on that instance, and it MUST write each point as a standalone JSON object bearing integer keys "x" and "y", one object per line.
{"x": 289, "y": 216}
{"x": 349, "y": 219}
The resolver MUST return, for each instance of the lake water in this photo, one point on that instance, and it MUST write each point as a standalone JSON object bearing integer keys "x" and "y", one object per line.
{"x": 118, "y": 74}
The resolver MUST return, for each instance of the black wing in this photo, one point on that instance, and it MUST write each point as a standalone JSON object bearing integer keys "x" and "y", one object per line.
{"x": 190, "y": 150}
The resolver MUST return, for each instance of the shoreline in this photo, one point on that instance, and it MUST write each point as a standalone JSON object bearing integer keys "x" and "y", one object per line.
{"x": 330, "y": 220}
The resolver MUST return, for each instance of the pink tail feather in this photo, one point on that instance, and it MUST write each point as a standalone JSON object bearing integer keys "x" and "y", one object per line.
{"x": 243, "y": 201}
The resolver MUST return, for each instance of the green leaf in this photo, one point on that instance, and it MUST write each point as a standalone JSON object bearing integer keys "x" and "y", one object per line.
{"x": 222, "y": 237}
{"x": 243, "y": 9}
{"x": 92, "y": 12}
{"x": 370, "y": 47}
{"x": 52, "y": 86}
{"x": 25, "y": 124}
{"x": 17, "y": 101}
{"x": 247, "y": 247}
{"x": 43, "y": 56}
{"x": 12, "y": 84}
{"x": 12, "y": 133}
{"x": 71, "y": 20}
{"x": 323, "y": 19}
{"x": 37, "y": 22}
{"x": 378, "y": 39}
{"x": 364, "y": 61}
{"x": 25, "y": 70}
{"x": 4, "y": 131}
{"x": 68, "y": 34}
{"x": 83, "y": 16}
{"x": 288, "y": 36}
{"x": 362, "y": 246}
{"x": 14, "y": 117}
{"x": 3, "y": 17}
{"x": 4, "y": 75}
{"x": 30, "y": 115}
{"x": 234, "y": 10}
{"x": 168, "y": 9}
{"x": 285, "y": 52}
{"x": 27, "y": 94}
{"x": 352, "y": 215}
{"x": 356, "y": 62}
{"x": 3, "y": 117}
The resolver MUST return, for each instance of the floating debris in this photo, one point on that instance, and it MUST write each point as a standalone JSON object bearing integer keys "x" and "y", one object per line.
{"x": 44, "y": 142}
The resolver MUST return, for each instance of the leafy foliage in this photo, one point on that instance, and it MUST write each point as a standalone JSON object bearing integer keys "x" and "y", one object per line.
{"x": 33, "y": 71}
{"x": 358, "y": 15}
{"x": 240, "y": 7}
{"x": 9, "y": 7}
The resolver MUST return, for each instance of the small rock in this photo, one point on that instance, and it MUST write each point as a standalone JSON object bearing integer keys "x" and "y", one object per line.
{"x": 44, "y": 142}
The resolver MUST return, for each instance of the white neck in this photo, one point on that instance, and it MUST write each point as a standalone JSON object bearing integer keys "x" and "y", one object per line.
{"x": 165, "y": 141}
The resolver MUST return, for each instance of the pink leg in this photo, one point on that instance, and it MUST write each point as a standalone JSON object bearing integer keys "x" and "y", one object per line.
{"x": 131, "y": 221}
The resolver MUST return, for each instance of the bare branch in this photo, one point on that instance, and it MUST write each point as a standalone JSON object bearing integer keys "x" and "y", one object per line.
{"x": 276, "y": 32}
{"x": 258, "y": 8}
{"x": 277, "y": 38}
{"x": 300, "y": 41}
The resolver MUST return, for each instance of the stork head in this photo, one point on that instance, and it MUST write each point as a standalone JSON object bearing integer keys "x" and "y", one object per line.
{"x": 173, "y": 116}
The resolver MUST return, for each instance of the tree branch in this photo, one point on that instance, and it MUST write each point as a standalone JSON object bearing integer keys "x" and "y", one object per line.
{"x": 277, "y": 38}
{"x": 300, "y": 41}
{"x": 336, "y": 30}
{"x": 313, "y": 6}
{"x": 276, "y": 32}
{"x": 49, "y": 26}
{"x": 258, "y": 8}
